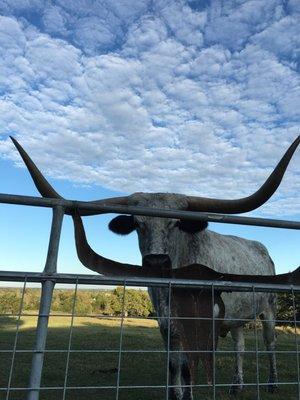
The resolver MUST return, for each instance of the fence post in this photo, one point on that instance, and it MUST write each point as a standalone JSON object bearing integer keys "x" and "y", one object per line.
{"x": 45, "y": 304}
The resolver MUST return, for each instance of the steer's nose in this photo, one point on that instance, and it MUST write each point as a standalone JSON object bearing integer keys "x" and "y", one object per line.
{"x": 157, "y": 261}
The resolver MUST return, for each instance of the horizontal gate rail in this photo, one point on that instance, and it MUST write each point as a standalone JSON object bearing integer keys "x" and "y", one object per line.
{"x": 153, "y": 212}
{"x": 37, "y": 277}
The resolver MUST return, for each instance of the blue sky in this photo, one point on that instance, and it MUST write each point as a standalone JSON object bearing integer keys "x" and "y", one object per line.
{"x": 109, "y": 97}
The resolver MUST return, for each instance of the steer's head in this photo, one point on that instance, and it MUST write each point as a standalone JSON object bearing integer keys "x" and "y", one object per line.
{"x": 159, "y": 238}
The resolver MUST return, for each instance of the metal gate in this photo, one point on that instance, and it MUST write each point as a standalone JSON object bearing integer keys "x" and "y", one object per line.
{"x": 115, "y": 389}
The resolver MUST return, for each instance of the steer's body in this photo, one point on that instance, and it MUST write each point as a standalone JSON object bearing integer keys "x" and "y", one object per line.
{"x": 223, "y": 253}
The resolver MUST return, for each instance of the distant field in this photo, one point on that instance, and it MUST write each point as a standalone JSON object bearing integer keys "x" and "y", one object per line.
{"x": 93, "y": 368}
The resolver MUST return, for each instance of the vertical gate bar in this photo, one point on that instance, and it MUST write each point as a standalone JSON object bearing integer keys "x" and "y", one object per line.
{"x": 40, "y": 343}
{"x": 121, "y": 341}
{"x": 52, "y": 254}
{"x": 16, "y": 341}
{"x": 214, "y": 338}
{"x": 45, "y": 305}
{"x": 256, "y": 344}
{"x": 70, "y": 342}
{"x": 296, "y": 340}
{"x": 168, "y": 341}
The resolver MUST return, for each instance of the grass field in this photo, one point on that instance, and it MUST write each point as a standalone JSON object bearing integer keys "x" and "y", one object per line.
{"x": 93, "y": 368}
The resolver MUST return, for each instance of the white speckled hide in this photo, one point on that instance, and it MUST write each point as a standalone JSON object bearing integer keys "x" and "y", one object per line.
{"x": 223, "y": 253}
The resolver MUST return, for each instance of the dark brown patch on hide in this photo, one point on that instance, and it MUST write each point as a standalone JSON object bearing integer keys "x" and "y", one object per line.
{"x": 198, "y": 330}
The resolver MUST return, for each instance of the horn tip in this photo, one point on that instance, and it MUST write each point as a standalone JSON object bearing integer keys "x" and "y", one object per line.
{"x": 15, "y": 142}
{"x": 297, "y": 140}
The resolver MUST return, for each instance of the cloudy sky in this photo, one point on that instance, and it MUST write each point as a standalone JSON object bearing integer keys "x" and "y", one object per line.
{"x": 108, "y": 97}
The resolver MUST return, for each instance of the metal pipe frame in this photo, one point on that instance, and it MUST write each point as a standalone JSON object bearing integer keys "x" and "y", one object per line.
{"x": 218, "y": 385}
{"x": 45, "y": 305}
{"x": 151, "y": 212}
{"x": 49, "y": 277}
{"x": 37, "y": 277}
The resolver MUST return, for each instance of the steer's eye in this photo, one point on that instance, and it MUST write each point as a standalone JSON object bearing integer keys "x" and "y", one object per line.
{"x": 122, "y": 225}
{"x": 190, "y": 226}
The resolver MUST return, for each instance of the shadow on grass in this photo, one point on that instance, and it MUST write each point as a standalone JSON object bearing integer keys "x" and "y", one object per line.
{"x": 8, "y": 322}
{"x": 94, "y": 361}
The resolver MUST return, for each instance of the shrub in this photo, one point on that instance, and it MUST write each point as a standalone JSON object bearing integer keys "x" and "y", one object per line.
{"x": 10, "y": 301}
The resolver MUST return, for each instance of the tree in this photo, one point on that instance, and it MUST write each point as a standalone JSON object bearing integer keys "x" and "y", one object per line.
{"x": 10, "y": 302}
{"x": 285, "y": 305}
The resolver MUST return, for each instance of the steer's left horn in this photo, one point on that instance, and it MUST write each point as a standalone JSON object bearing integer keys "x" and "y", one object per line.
{"x": 251, "y": 202}
{"x": 46, "y": 190}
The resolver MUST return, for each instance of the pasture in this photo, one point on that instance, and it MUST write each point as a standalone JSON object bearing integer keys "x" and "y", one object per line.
{"x": 93, "y": 368}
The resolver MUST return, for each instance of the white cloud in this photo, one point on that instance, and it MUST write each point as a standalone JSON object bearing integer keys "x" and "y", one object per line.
{"x": 169, "y": 98}
{"x": 145, "y": 34}
{"x": 54, "y": 20}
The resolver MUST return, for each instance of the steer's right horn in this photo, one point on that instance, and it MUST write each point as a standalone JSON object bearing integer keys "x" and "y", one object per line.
{"x": 46, "y": 190}
{"x": 97, "y": 263}
{"x": 41, "y": 183}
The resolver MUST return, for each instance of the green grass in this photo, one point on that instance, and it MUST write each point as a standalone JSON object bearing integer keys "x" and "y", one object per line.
{"x": 100, "y": 369}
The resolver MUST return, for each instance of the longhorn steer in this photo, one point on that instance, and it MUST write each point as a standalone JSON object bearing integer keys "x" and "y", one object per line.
{"x": 177, "y": 243}
{"x": 196, "y": 313}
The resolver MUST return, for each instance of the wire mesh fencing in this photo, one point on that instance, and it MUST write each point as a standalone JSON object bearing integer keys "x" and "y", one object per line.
{"x": 123, "y": 356}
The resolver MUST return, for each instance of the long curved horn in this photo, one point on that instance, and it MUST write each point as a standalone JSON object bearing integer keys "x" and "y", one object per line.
{"x": 94, "y": 261}
{"x": 202, "y": 272}
{"x": 194, "y": 203}
{"x": 43, "y": 186}
{"x": 108, "y": 267}
{"x": 46, "y": 190}
{"x": 251, "y": 202}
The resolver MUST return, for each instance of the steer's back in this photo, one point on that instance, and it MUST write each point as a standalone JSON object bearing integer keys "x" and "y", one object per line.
{"x": 232, "y": 254}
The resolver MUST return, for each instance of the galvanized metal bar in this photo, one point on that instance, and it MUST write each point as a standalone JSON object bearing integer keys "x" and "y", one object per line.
{"x": 121, "y": 341}
{"x": 57, "y": 220}
{"x": 101, "y": 316}
{"x": 291, "y": 352}
{"x": 213, "y": 336}
{"x": 31, "y": 200}
{"x": 41, "y": 336}
{"x": 19, "y": 276}
{"x": 152, "y": 212}
{"x": 70, "y": 342}
{"x": 296, "y": 340}
{"x": 15, "y": 342}
{"x": 219, "y": 385}
{"x": 45, "y": 305}
{"x": 168, "y": 341}
{"x": 256, "y": 345}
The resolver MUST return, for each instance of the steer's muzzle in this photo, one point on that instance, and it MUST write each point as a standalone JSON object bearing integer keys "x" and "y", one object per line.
{"x": 157, "y": 261}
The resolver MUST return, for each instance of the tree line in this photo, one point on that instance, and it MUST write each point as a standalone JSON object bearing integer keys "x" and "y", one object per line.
{"x": 110, "y": 302}
{"x": 104, "y": 302}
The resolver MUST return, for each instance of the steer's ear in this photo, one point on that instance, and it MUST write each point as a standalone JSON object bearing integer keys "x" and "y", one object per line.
{"x": 122, "y": 225}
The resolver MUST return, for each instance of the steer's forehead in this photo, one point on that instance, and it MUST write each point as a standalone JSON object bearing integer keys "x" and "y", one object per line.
{"x": 160, "y": 200}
